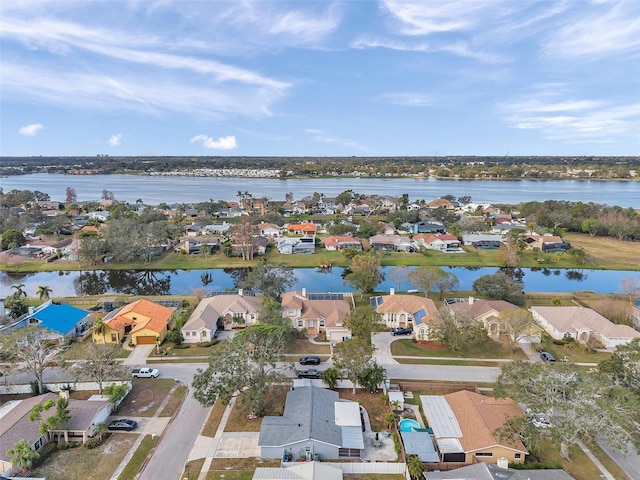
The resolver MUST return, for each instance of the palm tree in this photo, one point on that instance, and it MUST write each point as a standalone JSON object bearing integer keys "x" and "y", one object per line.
{"x": 415, "y": 467}
{"x": 101, "y": 328}
{"x": 21, "y": 455}
{"x": 43, "y": 292}
{"x": 100, "y": 430}
{"x": 19, "y": 290}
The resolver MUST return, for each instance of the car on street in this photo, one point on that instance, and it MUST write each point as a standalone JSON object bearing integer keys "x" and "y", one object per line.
{"x": 401, "y": 331}
{"x": 547, "y": 357}
{"x": 310, "y": 373}
{"x": 125, "y": 424}
{"x": 145, "y": 372}
{"x": 310, "y": 360}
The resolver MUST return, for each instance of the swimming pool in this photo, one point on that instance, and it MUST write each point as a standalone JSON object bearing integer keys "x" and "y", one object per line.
{"x": 408, "y": 425}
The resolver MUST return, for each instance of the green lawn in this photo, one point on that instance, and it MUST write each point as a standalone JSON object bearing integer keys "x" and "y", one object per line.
{"x": 483, "y": 348}
{"x": 137, "y": 460}
{"x": 574, "y": 352}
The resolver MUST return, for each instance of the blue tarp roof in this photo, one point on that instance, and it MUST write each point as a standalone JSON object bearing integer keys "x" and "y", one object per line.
{"x": 60, "y": 318}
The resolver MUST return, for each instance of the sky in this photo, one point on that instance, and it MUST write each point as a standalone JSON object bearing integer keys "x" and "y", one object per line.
{"x": 319, "y": 78}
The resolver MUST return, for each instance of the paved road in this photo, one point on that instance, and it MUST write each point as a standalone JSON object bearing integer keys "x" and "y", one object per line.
{"x": 629, "y": 463}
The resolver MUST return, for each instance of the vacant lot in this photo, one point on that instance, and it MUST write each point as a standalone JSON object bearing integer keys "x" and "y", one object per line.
{"x": 81, "y": 464}
{"x": 241, "y": 420}
{"x": 145, "y": 397}
{"x": 606, "y": 252}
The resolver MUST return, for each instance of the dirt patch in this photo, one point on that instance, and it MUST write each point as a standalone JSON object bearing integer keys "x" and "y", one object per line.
{"x": 145, "y": 397}
{"x": 431, "y": 345}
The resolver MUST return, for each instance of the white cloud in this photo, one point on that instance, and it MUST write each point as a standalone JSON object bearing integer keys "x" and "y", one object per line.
{"x": 30, "y": 130}
{"x": 222, "y": 143}
{"x": 577, "y": 121}
{"x": 115, "y": 140}
{"x": 408, "y": 99}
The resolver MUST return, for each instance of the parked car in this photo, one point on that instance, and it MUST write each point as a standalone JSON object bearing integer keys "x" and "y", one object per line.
{"x": 310, "y": 360}
{"x": 401, "y": 331}
{"x": 541, "y": 422}
{"x": 310, "y": 373}
{"x": 547, "y": 357}
{"x": 125, "y": 424}
{"x": 145, "y": 372}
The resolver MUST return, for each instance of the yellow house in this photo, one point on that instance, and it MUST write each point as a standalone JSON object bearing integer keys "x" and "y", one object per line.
{"x": 464, "y": 425}
{"x": 145, "y": 321}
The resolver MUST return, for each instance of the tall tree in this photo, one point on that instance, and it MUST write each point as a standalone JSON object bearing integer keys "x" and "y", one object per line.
{"x": 447, "y": 282}
{"x": 623, "y": 366}
{"x": 243, "y": 367}
{"x": 454, "y": 329}
{"x": 398, "y": 275}
{"x": 499, "y": 287}
{"x": 101, "y": 365}
{"x": 511, "y": 247}
{"x": 365, "y": 273}
{"x": 43, "y": 292}
{"x": 363, "y": 321}
{"x": 71, "y": 196}
{"x": 271, "y": 278}
{"x": 353, "y": 357}
{"x": 630, "y": 286}
{"x": 577, "y": 403}
{"x": 517, "y": 324}
{"x": 425, "y": 278}
{"x": 100, "y": 328}
{"x": 415, "y": 467}
{"x": 242, "y": 237}
{"x": 35, "y": 352}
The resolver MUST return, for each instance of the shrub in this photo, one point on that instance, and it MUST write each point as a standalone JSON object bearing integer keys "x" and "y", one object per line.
{"x": 92, "y": 443}
{"x": 182, "y": 346}
{"x": 207, "y": 344}
{"x": 67, "y": 445}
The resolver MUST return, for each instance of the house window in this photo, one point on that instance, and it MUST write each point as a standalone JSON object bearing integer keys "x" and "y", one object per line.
{"x": 253, "y": 316}
{"x": 114, "y": 337}
{"x": 291, "y": 311}
{"x": 567, "y": 335}
{"x": 517, "y": 455}
{"x": 312, "y": 323}
{"x": 300, "y": 323}
{"x": 322, "y": 323}
{"x": 484, "y": 454}
{"x": 204, "y": 334}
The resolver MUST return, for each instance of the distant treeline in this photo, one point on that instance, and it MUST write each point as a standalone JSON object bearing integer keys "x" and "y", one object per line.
{"x": 466, "y": 167}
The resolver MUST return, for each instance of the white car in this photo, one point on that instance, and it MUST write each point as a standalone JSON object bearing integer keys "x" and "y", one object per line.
{"x": 540, "y": 422}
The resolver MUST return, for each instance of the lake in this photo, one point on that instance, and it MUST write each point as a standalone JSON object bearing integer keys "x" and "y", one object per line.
{"x": 157, "y": 189}
{"x": 184, "y": 282}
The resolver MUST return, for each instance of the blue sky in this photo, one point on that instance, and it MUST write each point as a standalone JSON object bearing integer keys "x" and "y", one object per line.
{"x": 320, "y": 78}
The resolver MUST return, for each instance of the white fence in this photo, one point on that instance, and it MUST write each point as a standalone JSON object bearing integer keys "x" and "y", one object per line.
{"x": 11, "y": 389}
{"x": 362, "y": 468}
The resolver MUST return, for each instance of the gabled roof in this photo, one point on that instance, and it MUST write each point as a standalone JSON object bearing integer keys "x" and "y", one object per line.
{"x": 303, "y": 227}
{"x": 432, "y": 237}
{"x": 488, "y": 471}
{"x": 209, "y": 309}
{"x": 300, "y": 471}
{"x": 59, "y": 318}
{"x": 308, "y": 415}
{"x": 336, "y": 240}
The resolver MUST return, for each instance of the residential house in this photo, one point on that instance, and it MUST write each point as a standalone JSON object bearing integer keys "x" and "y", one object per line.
{"x": 487, "y": 471}
{"x": 231, "y": 212}
{"x": 193, "y": 230}
{"x": 485, "y": 312}
{"x": 289, "y": 246}
{"x": 406, "y": 311}
{"x": 100, "y": 215}
{"x": 191, "y": 245}
{"x": 546, "y": 243}
{"x": 260, "y": 245}
{"x": 583, "y": 325}
{"x": 230, "y": 309}
{"x": 146, "y": 322}
{"x": 15, "y": 424}
{"x": 340, "y": 242}
{"x": 63, "y": 321}
{"x": 299, "y": 471}
{"x": 250, "y": 204}
{"x": 318, "y": 312}
{"x": 357, "y": 209}
{"x": 216, "y": 228}
{"x": 425, "y": 226}
{"x": 441, "y": 203}
{"x": 302, "y": 229}
{"x": 437, "y": 241}
{"x": 315, "y": 425}
{"x": 483, "y": 241}
{"x": 391, "y": 243}
{"x": 388, "y": 201}
{"x": 464, "y": 425}
{"x": 269, "y": 230}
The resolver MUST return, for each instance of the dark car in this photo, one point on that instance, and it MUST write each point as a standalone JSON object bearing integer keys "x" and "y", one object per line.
{"x": 310, "y": 360}
{"x": 310, "y": 373}
{"x": 547, "y": 357}
{"x": 401, "y": 331}
{"x": 123, "y": 424}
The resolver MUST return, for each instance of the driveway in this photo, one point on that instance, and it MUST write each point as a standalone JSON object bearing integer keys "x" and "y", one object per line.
{"x": 382, "y": 342}
{"x": 139, "y": 355}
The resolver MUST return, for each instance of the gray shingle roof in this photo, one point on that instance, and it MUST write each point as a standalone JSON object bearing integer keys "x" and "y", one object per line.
{"x": 308, "y": 415}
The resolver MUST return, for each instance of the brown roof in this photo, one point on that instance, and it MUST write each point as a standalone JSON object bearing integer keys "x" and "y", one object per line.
{"x": 565, "y": 319}
{"x": 440, "y": 202}
{"x": 479, "y": 308}
{"x": 406, "y": 303}
{"x": 338, "y": 239}
{"x": 334, "y": 312}
{"x": 209, "y": 309}
{"x": 148, "y": 314}
{"x": 479, "y": 416}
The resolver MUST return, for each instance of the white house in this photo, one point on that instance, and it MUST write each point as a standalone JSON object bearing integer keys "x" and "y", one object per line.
{"x": 582, "y": 324}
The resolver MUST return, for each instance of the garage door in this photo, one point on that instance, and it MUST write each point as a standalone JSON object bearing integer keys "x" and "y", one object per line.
{"x": 145, "y": 340}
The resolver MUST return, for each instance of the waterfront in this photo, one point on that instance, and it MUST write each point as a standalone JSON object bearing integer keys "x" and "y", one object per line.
{"x": 186, "y": 282}
{"x": 154, "y": 190}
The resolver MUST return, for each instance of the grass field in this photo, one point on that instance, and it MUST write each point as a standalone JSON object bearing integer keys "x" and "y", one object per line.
{"x": 483, "y": 348}
{"x": 145, "y": 397}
